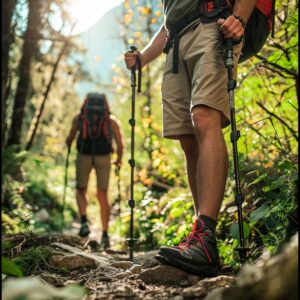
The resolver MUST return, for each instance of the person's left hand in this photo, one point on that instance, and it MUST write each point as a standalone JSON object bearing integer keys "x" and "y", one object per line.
{"x": 117, "y": 163}
{"x": 231, "y": 28}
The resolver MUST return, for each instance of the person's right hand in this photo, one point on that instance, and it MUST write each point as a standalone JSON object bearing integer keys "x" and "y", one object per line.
{"x": 131, "y": 57}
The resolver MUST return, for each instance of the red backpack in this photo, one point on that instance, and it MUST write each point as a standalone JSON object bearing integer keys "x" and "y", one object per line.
{"x": 95, "y": 131}
{"x": 258, "y": 28}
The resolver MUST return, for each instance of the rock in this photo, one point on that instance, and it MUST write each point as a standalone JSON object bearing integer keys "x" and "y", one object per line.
{"x": 98, "y": 260}
{"x": 71, "y": 261}
{"x": 216, "y": 282}
{"x": 123, "y": 275}
{"x": 133, "y": 277}
{"x": 163, "y": 274}
{"x": 147, "y": 260}
{"x": 275, "y": 279}
{"x": 193, "y": 279}
{"x": 124, "y": 265}
{"x": 194, "y": 292}
{"x": 135, "y": 269}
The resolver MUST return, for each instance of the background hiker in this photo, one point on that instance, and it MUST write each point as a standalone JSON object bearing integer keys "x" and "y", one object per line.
{"x": 195, "y": 109}
{"x": 96, "y": 128}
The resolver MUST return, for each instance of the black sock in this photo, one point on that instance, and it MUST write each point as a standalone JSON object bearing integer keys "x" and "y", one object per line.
{"x": 209, "y": 222}
{"x": 104, "y": 234}
{"x": 83, "y": 219}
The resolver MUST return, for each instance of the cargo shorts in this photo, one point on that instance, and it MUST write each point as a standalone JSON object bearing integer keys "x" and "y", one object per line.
{"x": 84, "y": 165}
{"x": 202, "y": 79}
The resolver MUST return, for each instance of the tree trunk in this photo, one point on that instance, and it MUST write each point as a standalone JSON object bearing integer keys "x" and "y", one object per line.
{"x": 8, "y": 8}
{"x": 29, "y": 50}
{"x": 40, "y": 112}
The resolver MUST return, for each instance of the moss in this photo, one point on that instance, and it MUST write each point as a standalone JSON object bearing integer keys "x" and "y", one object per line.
{"x": 33, "y": 259}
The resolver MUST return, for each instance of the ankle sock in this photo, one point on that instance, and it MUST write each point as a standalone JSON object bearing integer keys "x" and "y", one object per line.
{"x": 83, "y": 219}
{"x": 104, "y": 234}
{"x": 209, "y": 222}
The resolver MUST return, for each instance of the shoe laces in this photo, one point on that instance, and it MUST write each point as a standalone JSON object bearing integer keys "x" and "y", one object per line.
{"x": 195, "y": 237}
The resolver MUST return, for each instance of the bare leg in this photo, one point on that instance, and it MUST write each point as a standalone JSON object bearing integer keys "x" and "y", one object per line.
{"x": 189, "y": 146}
{"x": 212, "y": 168}
{"x": 81, "y": 201}
{"x": 104, "y": 207}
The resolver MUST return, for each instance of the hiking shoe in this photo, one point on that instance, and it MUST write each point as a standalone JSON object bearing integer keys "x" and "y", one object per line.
{"x": 197, "y": 253}
{"x": 105, "y": 244}
{"x": 84, "y": 230}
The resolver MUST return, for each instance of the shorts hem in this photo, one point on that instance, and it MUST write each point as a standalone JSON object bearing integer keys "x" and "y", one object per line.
{"x": 172, "y": 134}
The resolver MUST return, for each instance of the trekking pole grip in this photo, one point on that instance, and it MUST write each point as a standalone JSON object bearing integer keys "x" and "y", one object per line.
{"x": 138, "y": 66}
{"x": 229, "y": 59}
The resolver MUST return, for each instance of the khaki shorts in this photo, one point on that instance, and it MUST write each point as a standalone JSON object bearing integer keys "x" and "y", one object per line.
{"x": 84, "y": 166}
{"x": 202, "y": 79}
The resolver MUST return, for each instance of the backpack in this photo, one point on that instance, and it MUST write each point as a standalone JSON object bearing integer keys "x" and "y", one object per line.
{"x": 95, "y": 135}
{"x": 258, "y": 28}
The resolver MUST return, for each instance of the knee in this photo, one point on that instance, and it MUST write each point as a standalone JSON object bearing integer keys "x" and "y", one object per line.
{"x": 205, "y": 119}
{"x": 189, "y": 145}
{"x": 81, "y": 192}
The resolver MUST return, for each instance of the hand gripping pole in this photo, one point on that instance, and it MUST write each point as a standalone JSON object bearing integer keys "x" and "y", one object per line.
{"x": 235, "y": 134}
{"x": 131, "y": 201}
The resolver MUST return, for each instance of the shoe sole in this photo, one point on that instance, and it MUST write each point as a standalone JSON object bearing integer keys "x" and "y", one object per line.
{"x": 206, "y": 271}
{"x": 84, "y": 235}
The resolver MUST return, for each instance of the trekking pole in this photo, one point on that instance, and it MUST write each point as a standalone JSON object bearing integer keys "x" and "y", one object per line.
{"x": 118, "y": 199}
{"x": 234, "y": 136}
{"x": 65, "y": 189}
{"x": 131, "y": 201}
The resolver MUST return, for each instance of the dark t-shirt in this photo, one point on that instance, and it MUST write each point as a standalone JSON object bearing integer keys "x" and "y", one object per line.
{"x": 174, "y": 10}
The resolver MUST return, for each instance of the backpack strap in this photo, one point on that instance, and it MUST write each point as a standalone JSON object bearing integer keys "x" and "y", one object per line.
{"x": 84, "y": 120}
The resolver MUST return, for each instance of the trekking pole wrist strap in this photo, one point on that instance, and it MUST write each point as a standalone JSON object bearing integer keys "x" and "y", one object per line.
{"x": 242, "y": 21}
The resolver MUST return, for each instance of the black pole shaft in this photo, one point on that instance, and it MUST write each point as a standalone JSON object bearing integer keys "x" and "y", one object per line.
{"x": 132, "y": 163}
{"x": 235, "y": 134}
{"x": 65, "y": 189}
{"x": 131, "y": 201}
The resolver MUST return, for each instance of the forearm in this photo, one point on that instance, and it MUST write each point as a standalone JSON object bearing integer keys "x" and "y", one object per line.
{"x": 155, "y": 46}
{"x": 244, "y": 8}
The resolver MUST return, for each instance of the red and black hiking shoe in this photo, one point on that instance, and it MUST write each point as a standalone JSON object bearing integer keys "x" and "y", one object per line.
{"x": 197, "y": 253}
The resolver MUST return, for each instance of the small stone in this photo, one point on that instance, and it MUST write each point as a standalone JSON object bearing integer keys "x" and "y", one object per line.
{"x": 163, "y": 274}
{"x": 135, "y": 269}
{"x": 124, "y": 265}
{"x": 123, "y": 275}
{"x": 194, "y": 292}
{"x": 71, "y": 262}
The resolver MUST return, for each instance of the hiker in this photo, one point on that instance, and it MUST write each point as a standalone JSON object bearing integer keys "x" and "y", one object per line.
{"x": 196, "y": 109}
{"x": 96, "y": 128}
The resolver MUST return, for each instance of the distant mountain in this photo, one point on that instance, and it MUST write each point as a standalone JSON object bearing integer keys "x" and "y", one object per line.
{"x": 104, "y": 46}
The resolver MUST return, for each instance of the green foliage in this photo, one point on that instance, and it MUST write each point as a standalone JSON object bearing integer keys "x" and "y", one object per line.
{"x": 24, "y": 201}
{"x": 10, "y": 268}
{"x": 270, "y": 199}
{"x": 33, "y": 259}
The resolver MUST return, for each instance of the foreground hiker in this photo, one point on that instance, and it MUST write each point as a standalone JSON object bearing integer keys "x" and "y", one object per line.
{"x": 195, "y": 109}
{"x": 96, "y": 128}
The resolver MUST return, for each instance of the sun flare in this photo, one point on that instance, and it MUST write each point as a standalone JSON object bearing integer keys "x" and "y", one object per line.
{"x": 87, "y": 12}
